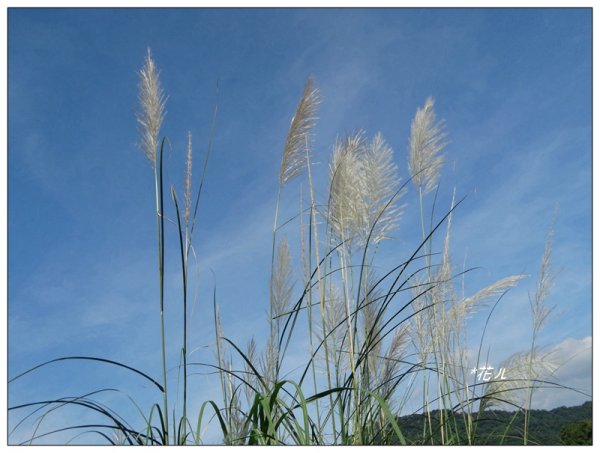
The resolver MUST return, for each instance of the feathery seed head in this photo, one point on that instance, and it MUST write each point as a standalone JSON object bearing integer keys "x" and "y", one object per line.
{"x": 381, "y": 181}
{"x": 333, "y": 326}
{"x": 363, "y": 189}
{"x": 426, "y": 141}
{"x": 333, "y": 308}
{"x": 444, "y": 288}
{"x": 152, "y": 105}
{"x": 283, "y": 285}
{"x": 250, "y": 375}
{"x": 540, "y": 309}
{"x": 371, "y": 314}
{"x": 522, "y": 370}
{"x": 461, "y": 310}
{"x": 347, "y": 211}
{"x": 297, "y": 142}
{"x": 188, "y": 179}
{"x": 392, "y": 360}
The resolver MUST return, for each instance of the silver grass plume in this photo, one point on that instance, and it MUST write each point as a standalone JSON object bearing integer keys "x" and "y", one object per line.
{"x": 443, "y": 298}
{"x": 421, "y": 322}
{"x": 333, "y": 328}
{"x": 152, "y": 103}
{"x": 372, "y": 321}
{"x": 250, "y": 376}
{"x": 188, "y": 179}
{"x": 363, "y": 178}
{"x": 521, "y": 370}
{"x": 347, "y": 212}
{"x": 451, "y": 331}
{"x": 381, "y": 183}
{"x": 426, "y": 141}
{"x": 269, "y": 362}
{"x": 445, "y": 285}
{"x": 283, "y": 284}
{"x": 334, "y": 314}
{"x": 442, "y": 292}
{"x": 235, "y": 419}
{"x": 539, "y": 308}
{"x": 230, "y": 394}
{"x": 221, "y": 362}
{"x": 382, "y": 365}
{"x": 431, "y": 296}
{"x": 296, "y": 144}
{"x": 392, "y": 360}
{"x": 461, "y": 310}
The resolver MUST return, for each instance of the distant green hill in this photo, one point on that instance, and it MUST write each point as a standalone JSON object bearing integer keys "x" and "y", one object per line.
{"x": 560, "y": 426}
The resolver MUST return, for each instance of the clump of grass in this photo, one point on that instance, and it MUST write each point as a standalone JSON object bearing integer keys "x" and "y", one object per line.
{"x": 373, "y": 335}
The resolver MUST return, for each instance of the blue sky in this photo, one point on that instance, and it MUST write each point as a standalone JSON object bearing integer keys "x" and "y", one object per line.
{"x": 514, "y": 89}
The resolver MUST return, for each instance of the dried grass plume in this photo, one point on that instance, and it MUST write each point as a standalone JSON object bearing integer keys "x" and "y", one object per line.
{"x": 426, "y": 141}
{"x": 363, "y": 187}
{"x": 152, "y": 104}
{"x": 296, "y": 144}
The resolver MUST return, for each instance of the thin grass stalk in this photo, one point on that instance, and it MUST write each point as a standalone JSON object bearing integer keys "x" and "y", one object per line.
{"x": 539, "y": 315}
{"x": 307, "y": 259}
{"x": 218, "y": 344}
{"x": 427, "y": 420}
{"x": 292, "y": 163}
{"x": 184, "y": 248}
{"x": 437, "y": 328}
{"x": 454, "y": 342}
{"x": 326, "y": 333}
{"x": 272, "y": 321}
{"x": 423, "y": 354}
{"x": 213, "y": 124}
{"x": 152, "y": 102}
{"x": 158, "y": 180}
{"x": 424, "y": 165}
{"x": 346, "y": 282}
{"x": 427, "y": 423}
{"x": 320, "y": 284}
{"x": 442, "y": 339}
{"x": 184, "y": 272}
{"x": 344, "y": 188}
{"x": 292, "y": 315}
{"x": 481, "y": 406}
{"x": 402, "y": 267}
{"x": 351, "y": 335}
{"x": 309, "y": 315}
{"x": 377, "y": 171}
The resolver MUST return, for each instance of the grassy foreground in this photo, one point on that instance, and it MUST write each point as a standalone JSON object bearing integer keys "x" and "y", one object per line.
{"x": 375, "y": 339}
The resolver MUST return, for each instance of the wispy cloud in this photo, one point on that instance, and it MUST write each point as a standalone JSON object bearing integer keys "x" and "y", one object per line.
{"x": 574, "y": 358}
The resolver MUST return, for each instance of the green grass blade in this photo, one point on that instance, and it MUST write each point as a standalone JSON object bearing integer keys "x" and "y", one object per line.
{"x": 389, "y": 417}
{"x": 96, "y": 359}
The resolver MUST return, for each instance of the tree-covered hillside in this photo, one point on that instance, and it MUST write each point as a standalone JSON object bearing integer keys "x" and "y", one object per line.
{"x": 559, "y": 426}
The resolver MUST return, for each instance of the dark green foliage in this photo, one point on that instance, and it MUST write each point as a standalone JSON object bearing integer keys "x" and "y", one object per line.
{"x": 496, "y": 427}
{"x": 577, "y": 433}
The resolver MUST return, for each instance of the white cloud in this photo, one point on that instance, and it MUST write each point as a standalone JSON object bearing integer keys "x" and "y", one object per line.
{"x": 574, "y": 358}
